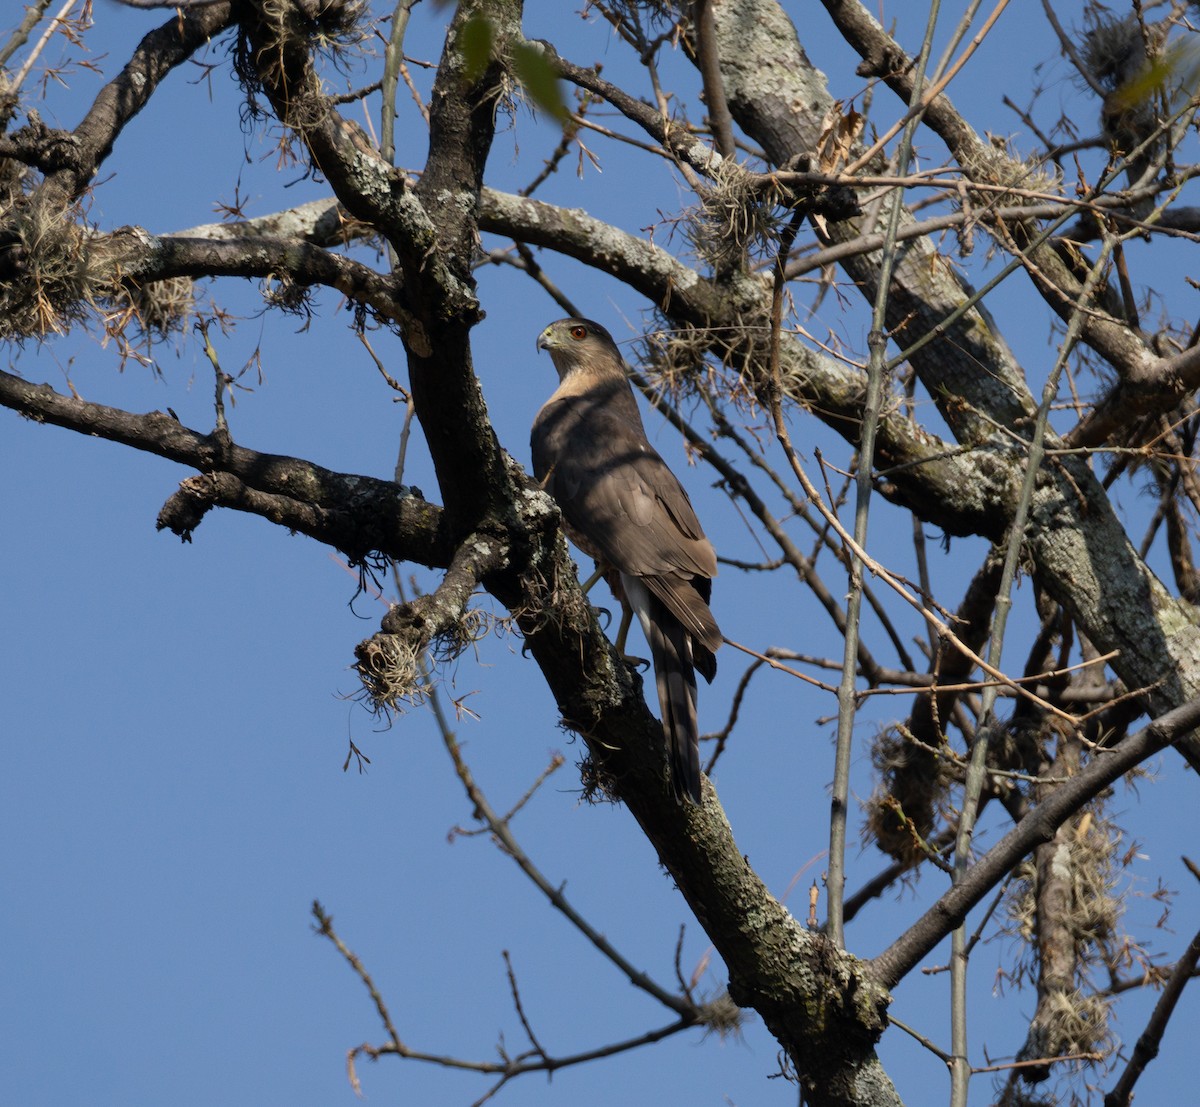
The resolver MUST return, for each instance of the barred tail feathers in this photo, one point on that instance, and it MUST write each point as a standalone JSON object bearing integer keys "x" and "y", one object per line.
{"x": 675, "y": 677}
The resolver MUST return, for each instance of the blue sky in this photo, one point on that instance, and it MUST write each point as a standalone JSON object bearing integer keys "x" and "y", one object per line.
{"x": 175, "y": 717}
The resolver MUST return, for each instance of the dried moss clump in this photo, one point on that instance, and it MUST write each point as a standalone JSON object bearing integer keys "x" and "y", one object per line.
{"x": 1083, "y": 933}
{"x": 163, "y": 307}
{"x": 387, "y": 667}
{"x": 738, "y": 219}
{"x": 686, "y": 361}
{"x": 332, "y": 29}
{"x": 913, "y": 781}
{"x": 721, "y": 1016}
{"x": 54, "y": 269}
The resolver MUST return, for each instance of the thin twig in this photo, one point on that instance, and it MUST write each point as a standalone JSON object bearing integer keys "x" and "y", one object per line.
{"x": 40, "y": 45}
{"x": 516, "y": 995}
{"x": 920, "y": 101}
{"x": 325, "y": 929}
{"x": 864, "y": 491}
{"x": 1148, "y": 1042}
{"x": 936, "y": 1051}
{"x": 1039, "y": 1062}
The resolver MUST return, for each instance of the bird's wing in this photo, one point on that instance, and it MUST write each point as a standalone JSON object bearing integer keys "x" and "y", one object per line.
{"x": 618, "y": 493}
{"x": 612, "y": 485}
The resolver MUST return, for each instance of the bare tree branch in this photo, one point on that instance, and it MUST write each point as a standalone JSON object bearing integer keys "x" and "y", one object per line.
{"x": 1040, "y": 825}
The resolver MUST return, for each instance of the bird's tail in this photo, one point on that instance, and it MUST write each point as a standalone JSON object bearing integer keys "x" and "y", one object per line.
{"x": 674, "y": 674}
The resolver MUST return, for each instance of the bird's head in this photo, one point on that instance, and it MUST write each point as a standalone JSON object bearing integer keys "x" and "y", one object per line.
{"x": 576, "y": 344}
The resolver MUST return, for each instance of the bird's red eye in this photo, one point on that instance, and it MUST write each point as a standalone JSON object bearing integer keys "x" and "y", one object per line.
{"x": 579, "y": 333}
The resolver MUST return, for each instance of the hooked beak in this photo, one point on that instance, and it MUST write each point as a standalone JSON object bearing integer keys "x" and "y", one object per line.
{"x": 543, "y": 341}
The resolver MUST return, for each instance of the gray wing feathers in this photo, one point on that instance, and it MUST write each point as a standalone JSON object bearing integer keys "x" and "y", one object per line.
{"x": 614, "y": 488}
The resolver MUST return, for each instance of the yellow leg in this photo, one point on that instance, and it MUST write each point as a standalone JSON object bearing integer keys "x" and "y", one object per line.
{"x": 590, "y": 583}
{"x": 623, "y": 629}
{"x": 622, "y": 634}
{"x": 626, "y": 618}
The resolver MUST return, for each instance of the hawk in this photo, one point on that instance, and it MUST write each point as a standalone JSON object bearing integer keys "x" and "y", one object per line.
{"x": 625, "y": 508}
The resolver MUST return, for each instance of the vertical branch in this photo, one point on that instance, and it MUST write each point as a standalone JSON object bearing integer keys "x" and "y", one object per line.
{"x": 977, "y": 768}
{"x": 919, "y": 547}
{"x": 1056, "y": 869}
{"x": 393, "y": 59}
{"x": 437, "y": 278}
{"x": 876, "y": 371}
{"x": 223, "y": 379}
{"x": 32, "y": 16}
{"x": 710, "y": 71}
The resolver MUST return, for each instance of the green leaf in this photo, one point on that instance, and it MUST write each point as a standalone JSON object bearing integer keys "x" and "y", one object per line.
{"x": 537, "y": 76}
{"x": 475, "y": 41}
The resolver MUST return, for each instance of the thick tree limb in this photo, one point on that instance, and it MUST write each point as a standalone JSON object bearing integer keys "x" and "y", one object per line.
{"x": 431, "y": 229}
{"x": 358, "y": 515}
{"x": 1154, "y": 389}
{"x": 299, "y": 262}
{"x": 784, "y": 972}
{"x": 321, "y": 222}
